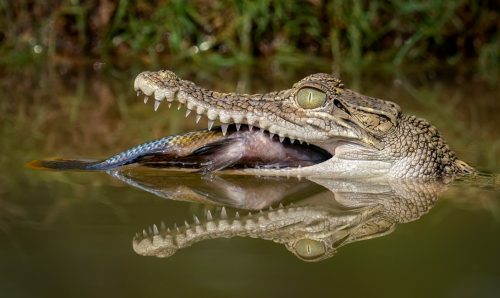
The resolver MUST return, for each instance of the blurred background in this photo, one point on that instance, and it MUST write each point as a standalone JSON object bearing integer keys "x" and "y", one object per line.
{"x": 66, "y": 73}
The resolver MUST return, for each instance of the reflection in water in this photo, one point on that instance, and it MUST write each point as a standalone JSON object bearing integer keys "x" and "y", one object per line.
{"x": 327, "y": 214}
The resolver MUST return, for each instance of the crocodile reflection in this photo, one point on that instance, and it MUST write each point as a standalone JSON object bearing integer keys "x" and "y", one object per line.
{"x": 329, "y": 215}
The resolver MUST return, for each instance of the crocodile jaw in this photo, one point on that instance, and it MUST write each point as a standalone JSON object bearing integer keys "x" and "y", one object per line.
{"x": 165, "y": 86}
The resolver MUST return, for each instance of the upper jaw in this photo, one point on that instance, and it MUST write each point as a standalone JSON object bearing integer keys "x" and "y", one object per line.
{"x": 263, "y": 111}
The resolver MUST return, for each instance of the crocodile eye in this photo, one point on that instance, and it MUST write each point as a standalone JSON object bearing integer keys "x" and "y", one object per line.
{"x": 311, "y": 98}
{"x": 309, "y": 249}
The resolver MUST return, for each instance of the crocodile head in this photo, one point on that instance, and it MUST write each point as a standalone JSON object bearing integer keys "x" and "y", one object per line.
{"x": 364, "y": 136}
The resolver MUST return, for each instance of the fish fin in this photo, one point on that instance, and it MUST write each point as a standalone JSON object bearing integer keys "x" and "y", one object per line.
{"x": 61, "y": 164}
{"x": 221, "y": 154}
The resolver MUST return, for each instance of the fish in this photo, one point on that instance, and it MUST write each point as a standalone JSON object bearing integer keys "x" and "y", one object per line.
{"x": 204, "y": 151}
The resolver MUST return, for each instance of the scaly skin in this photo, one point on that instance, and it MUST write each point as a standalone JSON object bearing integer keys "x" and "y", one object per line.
{"x": 313, "y": 228}
{"x": 366, "y": 136}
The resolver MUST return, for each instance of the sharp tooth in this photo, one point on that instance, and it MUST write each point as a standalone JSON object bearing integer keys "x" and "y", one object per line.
{"x": 271, "y": 135}
{"x": 238, "y": 126}
{"x": 179, "y": 106}
{"x": 155, "y": 230}
{"x": 186, "y": 224}
{"x": 292, "y": 141}
{"x": 210, "y": 124}
{"x": 176, "y": 228}
{"x": 188, "y": 112}
{"x": 150, "y": 230}
{"x": 169, "y": 105}
{"x": 144, "y": 233}
{"x": 300, "y": 141}
{"x": 237, "y": 215}
{"x": 145, "y": 98}
{"x": 223, "y": 213}
{"x": 224, "y": 129}
{"x": 196, "y": 220}
{"x": 209, "y": 215}
{"x": 281, "y": 206}
{"x": 168, "y": 230}
{"x": 282, "y": 139}
{"x": 198, "y": 117}
{"x": 250, "y": 127}
{"x": 162, "y": 226}
{"x": 157, "y": 105}
{"x": 139, "y": 93}
{"x": 270, "y": 208}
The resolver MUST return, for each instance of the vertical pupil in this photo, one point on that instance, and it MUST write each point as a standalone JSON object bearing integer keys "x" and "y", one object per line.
{"x": 309, "y": 96}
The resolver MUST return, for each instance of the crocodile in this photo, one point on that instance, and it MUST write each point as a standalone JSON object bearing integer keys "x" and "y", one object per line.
{"x": 316, "y": 128}
{"x": 312, "y": 227}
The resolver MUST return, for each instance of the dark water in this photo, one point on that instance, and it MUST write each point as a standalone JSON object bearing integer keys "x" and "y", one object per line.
{"x": 70, "y": 234}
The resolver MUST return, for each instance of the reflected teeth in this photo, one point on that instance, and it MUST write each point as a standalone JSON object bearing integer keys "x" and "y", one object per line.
{"x": 157, "y": 105}
{"x": 145, "y": 97}
{"x": 198, "y": 117}
{"x": 210, "y": 124}
{"x": 188, "y": 112}
{"x": 238, "y": 126}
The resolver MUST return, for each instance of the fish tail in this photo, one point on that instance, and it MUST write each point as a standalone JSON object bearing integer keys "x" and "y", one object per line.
{"x": 62, "y": 164}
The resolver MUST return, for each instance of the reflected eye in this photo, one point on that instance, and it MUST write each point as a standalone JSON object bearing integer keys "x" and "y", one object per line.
{"x": 311, "y": 98}
{"x": 309, "y": 249}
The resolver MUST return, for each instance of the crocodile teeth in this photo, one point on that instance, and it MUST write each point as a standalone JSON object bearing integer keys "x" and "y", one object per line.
{"x": 282, "y": 139}
{"x": 169, "y": 105}
{"x": 188, "y": 111}
{"x": 237, "y": 215}
{"x": 250, "y": 127}
{"x": 145, "y": 97}
{"x": 139, "y": 93}
{"x": 209, "y": 215}
{"x": 157, "y": 105}
{"x": 198, "y": 117}
{"x": 238, "y": 126}
{"x": 162, "y": 226}
{"x": 196, "y": 220}
{"x": 210, "y": 124}
{"x": 187, "y": 224}
{"x": 271, "y": 135}
{"x": 224, "y": 129}
{"x": 179, "y": 106}
{"x": 155, "y": 230}
{"x": 223, "y": 213}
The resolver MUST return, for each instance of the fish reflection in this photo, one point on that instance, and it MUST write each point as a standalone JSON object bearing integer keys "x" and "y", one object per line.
{"x": 325, "y": 215}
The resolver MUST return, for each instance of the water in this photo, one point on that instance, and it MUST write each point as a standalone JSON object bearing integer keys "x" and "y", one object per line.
{"x": 71, "y": 234}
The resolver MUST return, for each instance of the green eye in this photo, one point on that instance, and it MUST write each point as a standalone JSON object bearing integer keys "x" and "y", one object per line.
{"x": 311, "y": 98}
{"x": 309, "y": 249}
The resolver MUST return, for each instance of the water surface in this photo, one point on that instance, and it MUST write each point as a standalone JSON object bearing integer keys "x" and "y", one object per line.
{"x": 70, "y": 234}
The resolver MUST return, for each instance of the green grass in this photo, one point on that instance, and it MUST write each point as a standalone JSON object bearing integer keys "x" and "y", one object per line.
{"x": 351, "y": 35}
